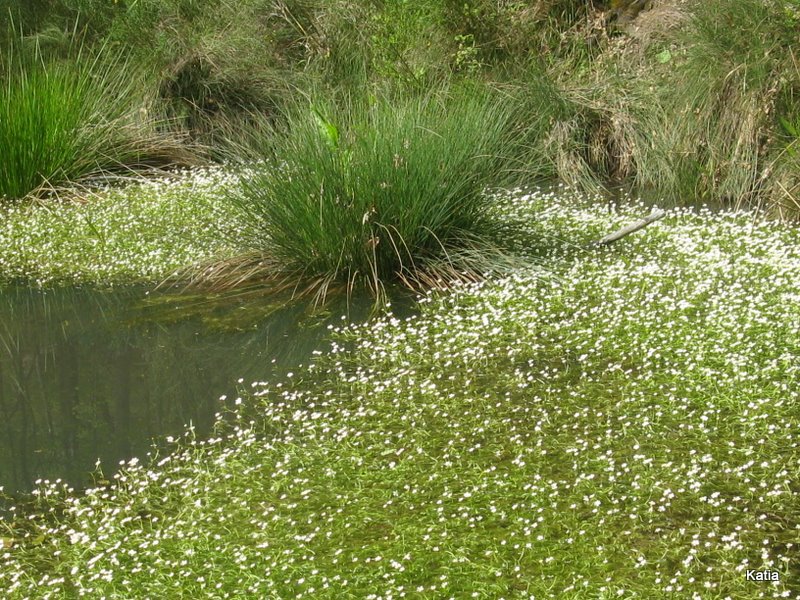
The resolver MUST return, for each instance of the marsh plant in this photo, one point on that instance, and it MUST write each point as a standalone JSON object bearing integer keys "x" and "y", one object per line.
{"x": 62, "y": 120}
{"x": 372, "y": 191}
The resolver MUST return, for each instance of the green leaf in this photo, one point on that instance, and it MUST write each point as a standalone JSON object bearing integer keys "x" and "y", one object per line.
{"x": 664, "y": 57}
{"x": 327, "y": 129}
{"x": 792, "y": 128}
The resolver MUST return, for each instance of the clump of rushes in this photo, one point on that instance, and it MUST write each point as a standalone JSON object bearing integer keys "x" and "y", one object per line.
{"x": 61, "y": 121}
{"x": 375, "y": 191}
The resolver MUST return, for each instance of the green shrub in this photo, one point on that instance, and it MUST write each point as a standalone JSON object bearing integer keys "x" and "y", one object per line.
{"x": 64, "y": 120}
{"x": 381, "y": 190}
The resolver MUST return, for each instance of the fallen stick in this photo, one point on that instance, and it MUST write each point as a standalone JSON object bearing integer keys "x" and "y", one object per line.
{"x": 613, "y": 237}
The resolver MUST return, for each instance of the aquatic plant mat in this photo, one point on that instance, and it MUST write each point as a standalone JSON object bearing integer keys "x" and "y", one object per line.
{"x": 142, "y": 232}
{"x": 625, "y": 429}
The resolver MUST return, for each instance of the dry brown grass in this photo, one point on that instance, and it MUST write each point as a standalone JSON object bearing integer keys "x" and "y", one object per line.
{"x": 658, "y": 23}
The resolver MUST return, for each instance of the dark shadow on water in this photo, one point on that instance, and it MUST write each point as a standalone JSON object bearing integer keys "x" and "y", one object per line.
{"x": 88, "y": 374}
{"x": 622, "y": 195}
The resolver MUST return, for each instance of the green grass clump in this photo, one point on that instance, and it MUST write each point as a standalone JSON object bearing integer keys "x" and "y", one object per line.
{"x": 380, "y": 190}
{"x": 628, "y": 429}
{"x": 61, "y": 121}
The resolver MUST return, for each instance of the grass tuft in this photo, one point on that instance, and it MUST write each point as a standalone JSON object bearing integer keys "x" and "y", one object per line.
{"x": 723, "y": 111}
{"x": 372, "y": 191}
{"x": 61, "y": 121}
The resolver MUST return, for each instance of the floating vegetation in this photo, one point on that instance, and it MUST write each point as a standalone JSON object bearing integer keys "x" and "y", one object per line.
{"x": 626, "y": 429}
{"x": 140, "y": 233}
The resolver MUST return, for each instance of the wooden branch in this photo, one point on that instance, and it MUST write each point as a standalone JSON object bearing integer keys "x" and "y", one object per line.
{"x": 613, "y": 237}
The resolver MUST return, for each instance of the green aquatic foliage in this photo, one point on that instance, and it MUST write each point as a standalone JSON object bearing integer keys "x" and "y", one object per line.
{"x": 139, "y": 233}
{"x": 628, "y": 429}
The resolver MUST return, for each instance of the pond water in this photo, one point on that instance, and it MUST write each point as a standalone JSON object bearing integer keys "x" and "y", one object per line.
{"x": 622, "y": 196}
{"x": 88, "y": 374}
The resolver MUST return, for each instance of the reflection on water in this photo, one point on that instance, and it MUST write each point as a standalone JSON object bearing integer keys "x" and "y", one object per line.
{"x": 87, "y": 374}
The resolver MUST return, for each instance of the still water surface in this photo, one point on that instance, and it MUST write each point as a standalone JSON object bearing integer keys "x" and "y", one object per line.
{"x": 88, "y": 374}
